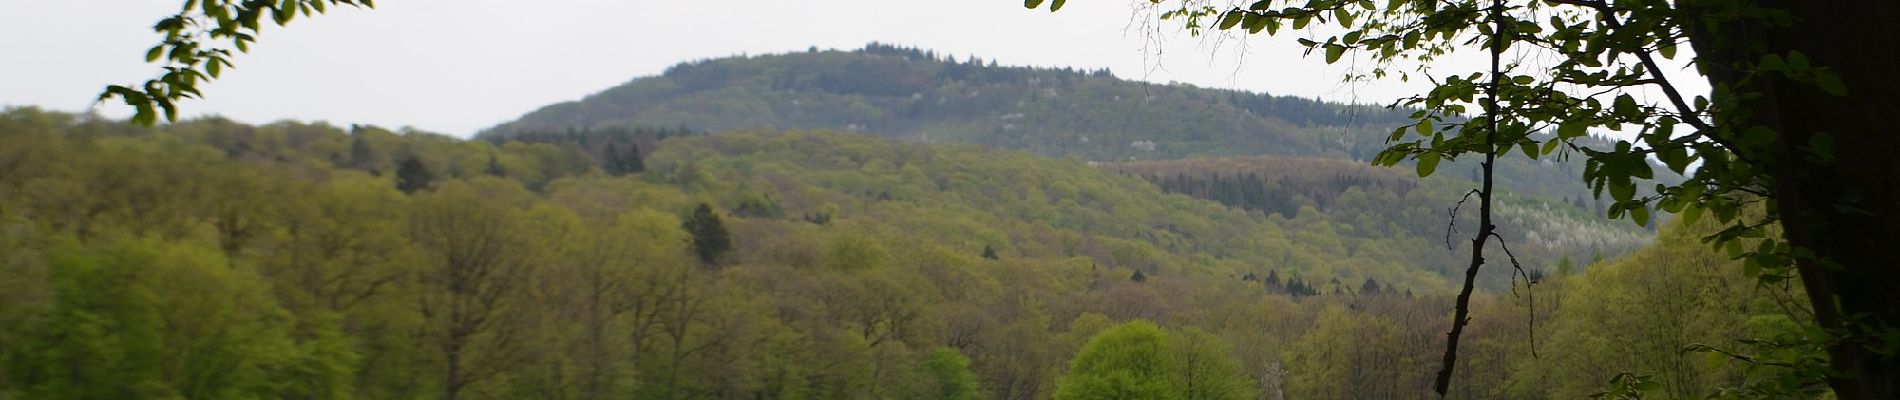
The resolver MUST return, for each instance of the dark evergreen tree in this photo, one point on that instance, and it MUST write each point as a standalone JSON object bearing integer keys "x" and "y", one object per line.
{"x": 411, "y": 175}
{"x": 610, "y": 160}
{"x": 710, "y": 238}
{"x": 1370, "y": 288}
{"x": 989, "y": 252}
{"x": 494, "y": 166}
{"x": 1138, "y": 277}
{"x": 618, "y": 163}
{"x": 361, "y": 156}
{"x": 631, "y": 161}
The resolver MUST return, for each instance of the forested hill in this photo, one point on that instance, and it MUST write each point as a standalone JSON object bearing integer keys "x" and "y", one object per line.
{"x": 918, "y": 95}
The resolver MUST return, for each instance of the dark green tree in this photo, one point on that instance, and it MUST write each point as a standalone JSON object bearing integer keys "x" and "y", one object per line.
{"x": 631, "y": 162}
{"x": 989, "y": 252}
{"x": 412, "y": 175}
{"x": 494, "y": 166}
{"x": 710, "y": 238}
{"x": 618, "y": 163}
{"x": 361, "y": 156}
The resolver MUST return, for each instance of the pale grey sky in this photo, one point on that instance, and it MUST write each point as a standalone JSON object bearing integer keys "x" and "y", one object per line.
{"x": 457, "y": 66}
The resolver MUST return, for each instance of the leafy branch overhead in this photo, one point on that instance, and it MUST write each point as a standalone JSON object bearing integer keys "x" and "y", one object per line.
{"x": 1579, "y": 66}
{"x": 1603, "y": 54}
{"x": 198, "y": 44}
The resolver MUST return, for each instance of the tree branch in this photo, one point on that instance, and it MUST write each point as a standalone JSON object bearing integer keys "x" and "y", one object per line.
{"x": 1461, "y": 315}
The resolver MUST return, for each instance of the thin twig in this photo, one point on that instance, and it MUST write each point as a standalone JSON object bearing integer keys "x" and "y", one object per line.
{"x": 1452, "y": 227}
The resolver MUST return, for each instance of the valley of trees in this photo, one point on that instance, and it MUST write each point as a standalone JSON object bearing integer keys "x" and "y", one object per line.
{"x": 580, "y": 253}
{"x": 211, "y": 259}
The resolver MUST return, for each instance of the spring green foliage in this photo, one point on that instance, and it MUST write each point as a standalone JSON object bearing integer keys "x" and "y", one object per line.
{"x": 198, "y": 45}
{"x": 209, "y": 259}
{"x": 1138, "y": 360}
{"x": 1129, "y": 361}
{"x": 947, "y": 376}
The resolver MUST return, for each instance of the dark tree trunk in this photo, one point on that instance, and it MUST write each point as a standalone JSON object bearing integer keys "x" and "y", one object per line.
{"x": 1847, "y": 210}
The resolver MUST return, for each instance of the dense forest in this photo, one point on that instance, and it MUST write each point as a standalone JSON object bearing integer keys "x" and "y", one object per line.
{"x": 212, "y": 259}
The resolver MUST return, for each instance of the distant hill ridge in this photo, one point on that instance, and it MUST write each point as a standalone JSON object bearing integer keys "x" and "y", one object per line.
{"x": 919, "y": 95}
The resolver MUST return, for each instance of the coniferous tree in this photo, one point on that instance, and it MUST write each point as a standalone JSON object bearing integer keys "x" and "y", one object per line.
{"x": 1138, "y": 277}
{"x": 632, "y": 161}
{"x": 412, "y": 176}
{"x": 494, "y": 166}
{"x": 989, "y": 252}
{"x": 618, "y": 163}
{"x": 610, "y": 160}
{"x": 710, "y": 238}
{"x": 361, "y": 156}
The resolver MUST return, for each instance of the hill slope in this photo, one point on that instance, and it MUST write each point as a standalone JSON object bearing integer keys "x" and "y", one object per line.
{"x": 913, "y": 94}
{"x": 916, "y": 95}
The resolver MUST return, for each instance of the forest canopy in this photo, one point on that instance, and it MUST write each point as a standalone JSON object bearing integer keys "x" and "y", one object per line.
{"x": 215, "y": 259}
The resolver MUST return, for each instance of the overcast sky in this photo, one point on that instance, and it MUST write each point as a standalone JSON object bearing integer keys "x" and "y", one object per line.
{"x": 457, "y": 66}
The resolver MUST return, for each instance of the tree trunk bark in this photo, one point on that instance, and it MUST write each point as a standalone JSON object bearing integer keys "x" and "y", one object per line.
{"x": 1845, "y": 210}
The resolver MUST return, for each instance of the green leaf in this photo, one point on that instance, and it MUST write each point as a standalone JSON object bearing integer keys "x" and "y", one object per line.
{"x": 1232, "y": 18}
{"x": 1427, "y": 163}
{"x": 1797, "y": 61}
{"x": 1056, "y": 5}
{"x": 1690, "y": 213}
{"x": 1032, "y": 4}
{"x": 1772, "y": 62}
{"x": 1333, "y": 52}
{"x": 1830, "y": 82}
{"x": 1621, "y": 189}
{"x": 153, "y": 54}
{"x": 1641, "y": 214}
{"x": 1572, "y": 129}
{"x": 1676, "y": 157}
{"x": 1625, "y": 105}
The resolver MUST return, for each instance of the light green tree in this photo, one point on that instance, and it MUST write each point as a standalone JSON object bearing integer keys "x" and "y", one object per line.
{"x": 948, "y": 377}
{"x": 1207, "y": 369}
{"x": 1129, "y": 361}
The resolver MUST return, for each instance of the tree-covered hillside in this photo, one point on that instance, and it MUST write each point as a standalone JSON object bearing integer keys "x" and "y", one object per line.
{"x": 920, "y": 96}
{"x": 210, "y": 259}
